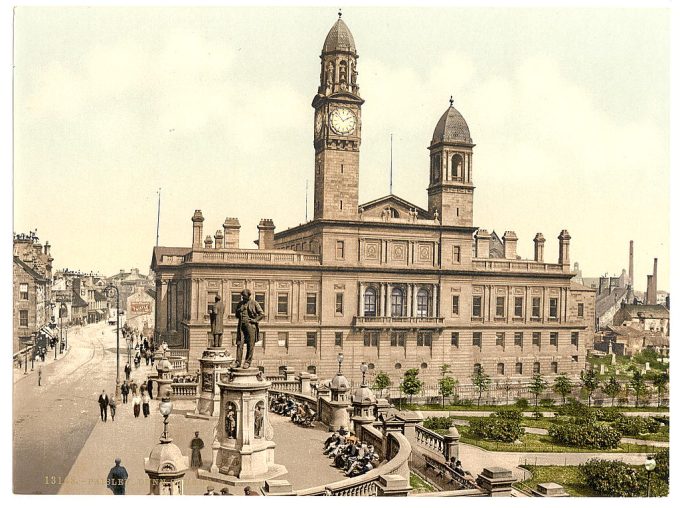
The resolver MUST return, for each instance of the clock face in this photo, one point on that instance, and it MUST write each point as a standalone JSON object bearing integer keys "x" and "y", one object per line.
{"x": 343, "y": 121}
{"x": 318, "y": 123}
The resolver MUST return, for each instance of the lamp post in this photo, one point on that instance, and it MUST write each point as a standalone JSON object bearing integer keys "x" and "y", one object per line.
{"x": 33, "y": 336}
{"x": 650, "y": 465}
{"x": 165, "y": 408}
{"x": 107, "y": 289}
{"x": 341, "y": 357}
{"x": 364, "y": 369}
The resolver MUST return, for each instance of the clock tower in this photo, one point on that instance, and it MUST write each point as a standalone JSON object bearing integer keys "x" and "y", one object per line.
{"x": 337, "y": 128}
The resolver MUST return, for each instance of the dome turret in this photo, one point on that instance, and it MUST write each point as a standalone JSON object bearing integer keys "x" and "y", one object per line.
{"x": 451, "y": 127}
{"x": 339, "y": 38}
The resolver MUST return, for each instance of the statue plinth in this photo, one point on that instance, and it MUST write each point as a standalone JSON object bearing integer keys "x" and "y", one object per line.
{"x": 214, "y": 362}
{"x": 245, "y": 436}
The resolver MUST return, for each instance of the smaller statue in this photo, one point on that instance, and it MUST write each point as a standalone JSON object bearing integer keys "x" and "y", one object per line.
{"x": 216, "y": 321}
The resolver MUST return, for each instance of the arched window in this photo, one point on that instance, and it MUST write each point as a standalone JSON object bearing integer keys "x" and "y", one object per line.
{"x": 397, "y": 302}
{"x": 282, "y": 370}
{"x": 500, "y": 369}
{"x": 537, "y": 367}
{"x": 457, "y": 166}
{"x": 477, "y": 368}
{"x": 423, "y": 303}
{"x": 436, "y": 168}
{"x": 518, "y": 368}
{"x": 370, "y": 302}
{"x": 343, "y": 71}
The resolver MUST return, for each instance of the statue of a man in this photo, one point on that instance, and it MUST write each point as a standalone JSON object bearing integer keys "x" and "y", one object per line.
{"x": 249, "y": 314}
{"x": 216, "y": 318}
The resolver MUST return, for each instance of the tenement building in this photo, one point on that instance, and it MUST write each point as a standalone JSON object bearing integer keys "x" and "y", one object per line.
{"x": 386, "y": 282}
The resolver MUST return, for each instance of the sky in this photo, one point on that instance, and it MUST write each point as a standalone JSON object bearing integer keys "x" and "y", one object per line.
{"x": 568, "y": 108}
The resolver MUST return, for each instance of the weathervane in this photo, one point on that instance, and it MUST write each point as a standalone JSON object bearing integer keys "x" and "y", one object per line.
{"x": 451, "y": 101}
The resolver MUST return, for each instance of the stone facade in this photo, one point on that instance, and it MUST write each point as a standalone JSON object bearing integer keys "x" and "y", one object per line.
{"x": 387, "y": 282}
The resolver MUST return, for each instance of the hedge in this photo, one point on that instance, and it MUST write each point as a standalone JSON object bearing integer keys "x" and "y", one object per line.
{"x": 585, "y": 435}
{"x": 612, "y": 478}
{"x": 636, "y": 425}
{"x": 503, "y": 426}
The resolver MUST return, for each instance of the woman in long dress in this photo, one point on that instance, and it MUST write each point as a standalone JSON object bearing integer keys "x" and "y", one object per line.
{"x": 196, "y": 447}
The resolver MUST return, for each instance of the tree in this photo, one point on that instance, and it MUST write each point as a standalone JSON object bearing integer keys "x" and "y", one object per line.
{"x": 381, "y": 382}
{"x": 660, "y": 381}
{"x": 563, "y": 386}
{"x": 411, "y": 385}
{"x": 482, "y": 381}
{"x": 447, "y": 384}
{"x": 612, "y": 388}
{"x": 537, "y": 386}
{"x": 590, "y": 382}
{"x": 637, "y": 383}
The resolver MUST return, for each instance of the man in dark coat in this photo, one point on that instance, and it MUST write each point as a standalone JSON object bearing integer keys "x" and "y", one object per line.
{"x": 216, "y": 321}
{"x": 128, "y": 371}
{"x": 124, "y": 390}
{"x": 249, "y": 315}
{"x": 196, "y": 447}
{"x": 149, "y": 387}
{"x": 103, "y": 405}
{"x": 118, "y": 475}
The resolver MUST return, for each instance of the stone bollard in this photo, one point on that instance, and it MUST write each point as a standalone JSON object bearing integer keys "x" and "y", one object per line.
{"x": 278, "y": 488}
{"x": 393, "y": 485}
{"x": 549, "y": 490}
{"x": 305, "y": 386}
{"x": 496, "y": 481}
{"x": 290, "y": 374}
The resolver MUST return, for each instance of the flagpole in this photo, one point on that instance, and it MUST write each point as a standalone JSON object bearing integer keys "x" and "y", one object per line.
{"x": 158, "y": 216}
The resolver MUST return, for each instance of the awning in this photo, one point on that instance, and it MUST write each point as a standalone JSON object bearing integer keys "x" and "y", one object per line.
{"x": 46, "y": 331}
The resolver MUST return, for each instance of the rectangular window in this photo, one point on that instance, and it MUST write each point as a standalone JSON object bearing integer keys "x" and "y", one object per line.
{"x": 311, "y": 339}
{"x": 536, "y": 307}
{"x": 338, "y": 339}
{"x": 371, "y": 339}
{"x": 339, "y": 301}
{"x": 455, "y": 337}
{"x": 500, "y": 339}
{"x": 260, "y": 298}
{"x": 519, "y": 339}
{"x": 500, "y": 306}
{"x": 283, "y": 339}
{"x": 519, "y": 306}
{"x": 477, "y": 339}
{"x": 537, "y": 367}
{"x": 455, "y": 305}
{"x": 500, "y": 369}
{"x": 574, "y": 339}
{"x": 398, "y": 339}
{"x": 235, "y": 299}
{"x": 518, "y": 368}
{"x": 536, "y": 339}
{"x": 553, "y": 308}
{"x": 553, "y": 367}
{"x": 553, "y": 338}
{"x": 340, "y": 249}
{"x": 580, "y": 310}
{"x": 311, "y": 304}
{"x": 456, "y": 254}
{"x": 574, "y": 358}
{"x": 23, "y": 318}
{"x": 424, "y": 339}
{"x": 23, "y": 291}
{"x": 282, "y": 304}
{"x": 476, "y": 306}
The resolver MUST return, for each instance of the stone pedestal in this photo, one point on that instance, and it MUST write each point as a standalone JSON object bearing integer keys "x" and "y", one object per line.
{"x": 244, "y": 448}
{"x": 549, "y": 490}
{"x": 213, "y": 363}
{"x": 496, "y": 481}
{"x": 451, "y": 448}
{"x": 393, "y": 485}
{"x": 165, "y": 468}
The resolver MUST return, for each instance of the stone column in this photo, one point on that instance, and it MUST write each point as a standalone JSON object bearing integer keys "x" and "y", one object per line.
{"x": 435, "y": 300}
{"x": 381, "y": 303}
{"x": 361, "y": 299}
{"x": 414, "y": 299}
{"x": 388, "y": 303}
{"x": 409, "y": 295}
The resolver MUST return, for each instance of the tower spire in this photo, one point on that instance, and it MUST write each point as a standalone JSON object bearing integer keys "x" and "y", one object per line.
{"x": 451, "y": 101}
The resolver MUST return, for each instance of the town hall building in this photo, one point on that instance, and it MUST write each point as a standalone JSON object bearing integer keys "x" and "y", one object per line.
{"x": 386, "y": 282}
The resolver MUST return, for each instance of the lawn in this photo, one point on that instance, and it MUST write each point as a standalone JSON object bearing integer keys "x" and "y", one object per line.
{"x": 568, "y": 476}
{"x": 419, "y": 485}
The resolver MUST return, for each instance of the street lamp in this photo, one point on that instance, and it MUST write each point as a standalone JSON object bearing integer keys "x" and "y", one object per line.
{"x": 165, "y": 408}
{"x": 107, "y": 290}
{"x": 364, "y": 369}
{"x": 650, "y": 465}
{"x": 341, "y": 357}
{"x": 33, "y": 336}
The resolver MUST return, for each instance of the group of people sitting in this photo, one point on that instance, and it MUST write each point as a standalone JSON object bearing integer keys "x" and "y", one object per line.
{"x": 347, "y": 453}
{"x": 299, "y": 413}
{"x": 187, "y": 378}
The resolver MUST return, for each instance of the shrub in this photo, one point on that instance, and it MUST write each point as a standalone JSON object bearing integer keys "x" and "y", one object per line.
{"x": 547, "y": 403}
{"x": 497, "y": 428}
{"x": 586, "y": 435}
{"x": 636, "y": 425}
{"x": 612, "y": 478}
{"x": 466, "y": 402}
{"x": 521, "y": 404}
{"x": 438, "y": 422}
{"x": 607, "y": 414}
{"x": 508, "y": 414}
{"x": 661, "y": 470}
{"x": 574, "y": 408}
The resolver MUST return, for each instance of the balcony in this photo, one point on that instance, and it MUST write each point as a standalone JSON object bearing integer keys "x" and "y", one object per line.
{"x": 515, "y": 265}
{"x": 253, "y": 256}
{"x": 402, "y": 322}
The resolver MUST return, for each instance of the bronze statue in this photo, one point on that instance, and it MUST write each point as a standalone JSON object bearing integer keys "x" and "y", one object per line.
{"x": 249, "y": 314}
{"x": 216, "y": 319}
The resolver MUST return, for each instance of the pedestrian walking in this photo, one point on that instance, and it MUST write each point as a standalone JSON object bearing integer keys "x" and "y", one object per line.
{"x": 103, "y": 405}
{"x": 133, "y": 387}
{"x": 196, "y": 447}
{"x": 39, "y": 376}
{"x": 149, "y": 387}
{"x": 146, "y": 356}
{"x": 124, "y": 390}
{"x": 112, "y": 408}
{"x": 136, "y": 405}
{"x": 145, "y": 404}
{"x": 117, "y": 478}
{"x": 127, "y": 370}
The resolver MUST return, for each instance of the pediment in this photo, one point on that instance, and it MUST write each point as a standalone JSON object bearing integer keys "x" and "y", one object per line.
{"x": 398, "y": 207}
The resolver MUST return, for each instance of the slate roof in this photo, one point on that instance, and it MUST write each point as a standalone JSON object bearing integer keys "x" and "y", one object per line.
{"x": 339, "y": 38}
{"x": 451, "y": 128}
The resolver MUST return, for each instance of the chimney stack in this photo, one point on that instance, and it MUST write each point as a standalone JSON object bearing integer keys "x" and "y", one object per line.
{"x": 208, "y": 242}
{"x": 197, "y": 220}
{"x": 510, "y": 245}
{"x": 649, "y": 298}
{"x": 231, "y": 233}
{"x": 539, "y": 243}
{"x": 483, "y": 240}
{"x": 630, "y": 264}
{"x": 265, "y": 238}
{"x": 219, "y": 237}
{"x": 654, "y": 282}
{"x": 564, "y": 250}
